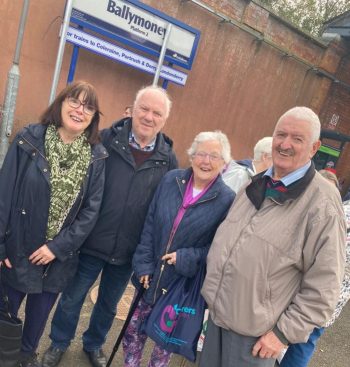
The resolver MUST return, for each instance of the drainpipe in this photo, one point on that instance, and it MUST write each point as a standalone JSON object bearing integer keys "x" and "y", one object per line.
{"x": 12, "y": 89}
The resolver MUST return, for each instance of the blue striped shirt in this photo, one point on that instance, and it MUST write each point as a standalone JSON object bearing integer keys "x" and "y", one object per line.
{"x": 291, "y": 177}
{"x": 134, "y": 143}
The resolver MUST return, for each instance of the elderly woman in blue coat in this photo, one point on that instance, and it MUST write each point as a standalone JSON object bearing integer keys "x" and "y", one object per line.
{"x": 184, "y": 214}
{"x": 51, "y": 185}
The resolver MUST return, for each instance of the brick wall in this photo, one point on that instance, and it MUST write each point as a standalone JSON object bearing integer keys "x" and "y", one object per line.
{"x": 337, "y": 106}
{"x": 247, "y": 72}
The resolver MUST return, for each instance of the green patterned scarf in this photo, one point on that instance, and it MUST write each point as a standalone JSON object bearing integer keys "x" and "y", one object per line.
{"x": 68, "y": 166}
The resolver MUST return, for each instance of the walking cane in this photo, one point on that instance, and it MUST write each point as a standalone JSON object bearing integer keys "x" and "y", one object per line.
{"x": 126, "y": 323}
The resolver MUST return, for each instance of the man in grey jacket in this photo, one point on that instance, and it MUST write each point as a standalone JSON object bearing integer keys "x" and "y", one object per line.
{"x": 277, "y": 260}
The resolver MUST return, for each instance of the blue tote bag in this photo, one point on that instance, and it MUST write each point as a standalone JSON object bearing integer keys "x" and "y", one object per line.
{"x": 175, "y": 321}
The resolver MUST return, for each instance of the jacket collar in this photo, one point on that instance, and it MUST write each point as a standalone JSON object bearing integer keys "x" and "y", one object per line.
{"x": 34, "y": 134}
{"x": 184, "y": 177}
{"x": 163, "y": 145}
{"x": 256, "y": 189}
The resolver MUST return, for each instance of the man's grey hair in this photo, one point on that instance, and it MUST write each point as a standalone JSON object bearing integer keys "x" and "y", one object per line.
{"x": 209, "y": 136}
{"x": 162, "y": 92}
{"x": 264, "y": 145}
{"x": 305, "y": 114}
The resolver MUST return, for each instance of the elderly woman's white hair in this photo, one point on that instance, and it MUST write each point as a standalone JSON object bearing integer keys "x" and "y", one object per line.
{"x": 209, "y": 136}
{"x": 264, "y": 145}
{"x": 160, "y": 91}
{"x": 305, "y": 114}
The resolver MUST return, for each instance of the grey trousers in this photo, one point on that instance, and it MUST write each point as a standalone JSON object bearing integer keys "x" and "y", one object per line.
{"x": 224, "y": 348}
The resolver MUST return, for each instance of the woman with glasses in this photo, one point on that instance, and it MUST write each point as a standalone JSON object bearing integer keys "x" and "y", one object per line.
{"x": 51, "y": 185}
{"x": 186, "y": 209}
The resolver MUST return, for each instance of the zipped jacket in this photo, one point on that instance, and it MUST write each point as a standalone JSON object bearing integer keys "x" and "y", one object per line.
{"x": 24, "y": 207}
{"x": 128, "y": 192}
{"x": 192, "y": 238}
{"x": 278, "y": 263}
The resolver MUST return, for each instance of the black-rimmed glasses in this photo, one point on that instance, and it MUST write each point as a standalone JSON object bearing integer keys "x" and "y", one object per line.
{"x": 76, "y": 103}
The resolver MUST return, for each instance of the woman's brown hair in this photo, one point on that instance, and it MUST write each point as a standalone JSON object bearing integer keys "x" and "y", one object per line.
{"x": 52, "y": 115}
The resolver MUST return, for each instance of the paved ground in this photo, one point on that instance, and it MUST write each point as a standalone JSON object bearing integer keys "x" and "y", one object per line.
{"x": 333, "y": 349}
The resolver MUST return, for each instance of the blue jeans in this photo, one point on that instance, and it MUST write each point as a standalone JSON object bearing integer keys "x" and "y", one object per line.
{"x": 299, "y": 355}
{"x": 114, "y": 279}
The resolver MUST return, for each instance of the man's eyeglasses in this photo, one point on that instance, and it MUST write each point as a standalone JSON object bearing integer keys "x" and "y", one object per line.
{"x": 76, "y": 103}
{"x": 212, "y": 156}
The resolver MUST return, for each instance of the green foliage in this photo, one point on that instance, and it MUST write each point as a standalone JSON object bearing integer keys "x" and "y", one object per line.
{"x": 309, "y": 15}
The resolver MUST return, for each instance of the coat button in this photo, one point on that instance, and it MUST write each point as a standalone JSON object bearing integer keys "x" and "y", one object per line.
{"x": 21, "y": 142}
{"x": 157, "y": 162}
{"x": 183, "y": 181}
{"x": 24, "y": 212}
{"x": 45, "y": 169}
{"x": 33, "y": 154}
{"x": 113, "y": 260}
{"x": 123, "y": 148}
{"x": 117, "y": 142}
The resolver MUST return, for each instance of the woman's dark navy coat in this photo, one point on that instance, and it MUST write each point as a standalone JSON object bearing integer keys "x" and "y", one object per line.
{"x": 24, "y": 206}
{"x": 192, "y": 238}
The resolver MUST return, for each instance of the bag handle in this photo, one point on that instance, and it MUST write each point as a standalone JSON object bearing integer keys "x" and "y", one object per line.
{"x": 170, "y": 241}
{"x": 172, "y": 234}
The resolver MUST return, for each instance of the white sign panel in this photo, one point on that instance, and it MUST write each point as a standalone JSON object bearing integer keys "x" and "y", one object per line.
{"x": 117, "y": 53}
{"x": 135, "y": 23}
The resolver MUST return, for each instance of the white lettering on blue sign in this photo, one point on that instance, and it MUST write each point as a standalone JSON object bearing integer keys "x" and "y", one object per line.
{"x": 117, "y": 53}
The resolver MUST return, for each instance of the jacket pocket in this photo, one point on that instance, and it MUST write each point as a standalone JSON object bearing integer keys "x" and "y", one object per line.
{"x": 15, "y": 238}
{"x": 268, "y": 305}
{"x": 60, "y": 273}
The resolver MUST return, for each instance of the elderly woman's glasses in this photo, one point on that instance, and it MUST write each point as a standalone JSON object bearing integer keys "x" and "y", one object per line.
{"x": 76, "y": 103}
{"x": 212, "y": 156}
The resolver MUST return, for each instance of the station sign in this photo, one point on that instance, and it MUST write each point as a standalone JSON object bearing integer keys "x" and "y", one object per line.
{"x": 140, "y": 26}
{"x": 116, "y": 53}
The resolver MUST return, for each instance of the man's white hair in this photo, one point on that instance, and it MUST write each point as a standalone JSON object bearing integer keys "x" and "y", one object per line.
{"x": 305, "y": 114}
{"x": 264, "y": 145}
{"x": 209, "y": 136}
{"x": 162, "y": 92}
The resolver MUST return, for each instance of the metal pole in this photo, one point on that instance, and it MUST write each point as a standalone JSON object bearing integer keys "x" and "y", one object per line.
{"x": 162, "y": 54}
{"x": 60, "y": 52}
{"x": 12, "y": 88}
{"x": 166, "y": 81}
{"x": 73, "y": 61}
{"x": 73, "y": 64}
